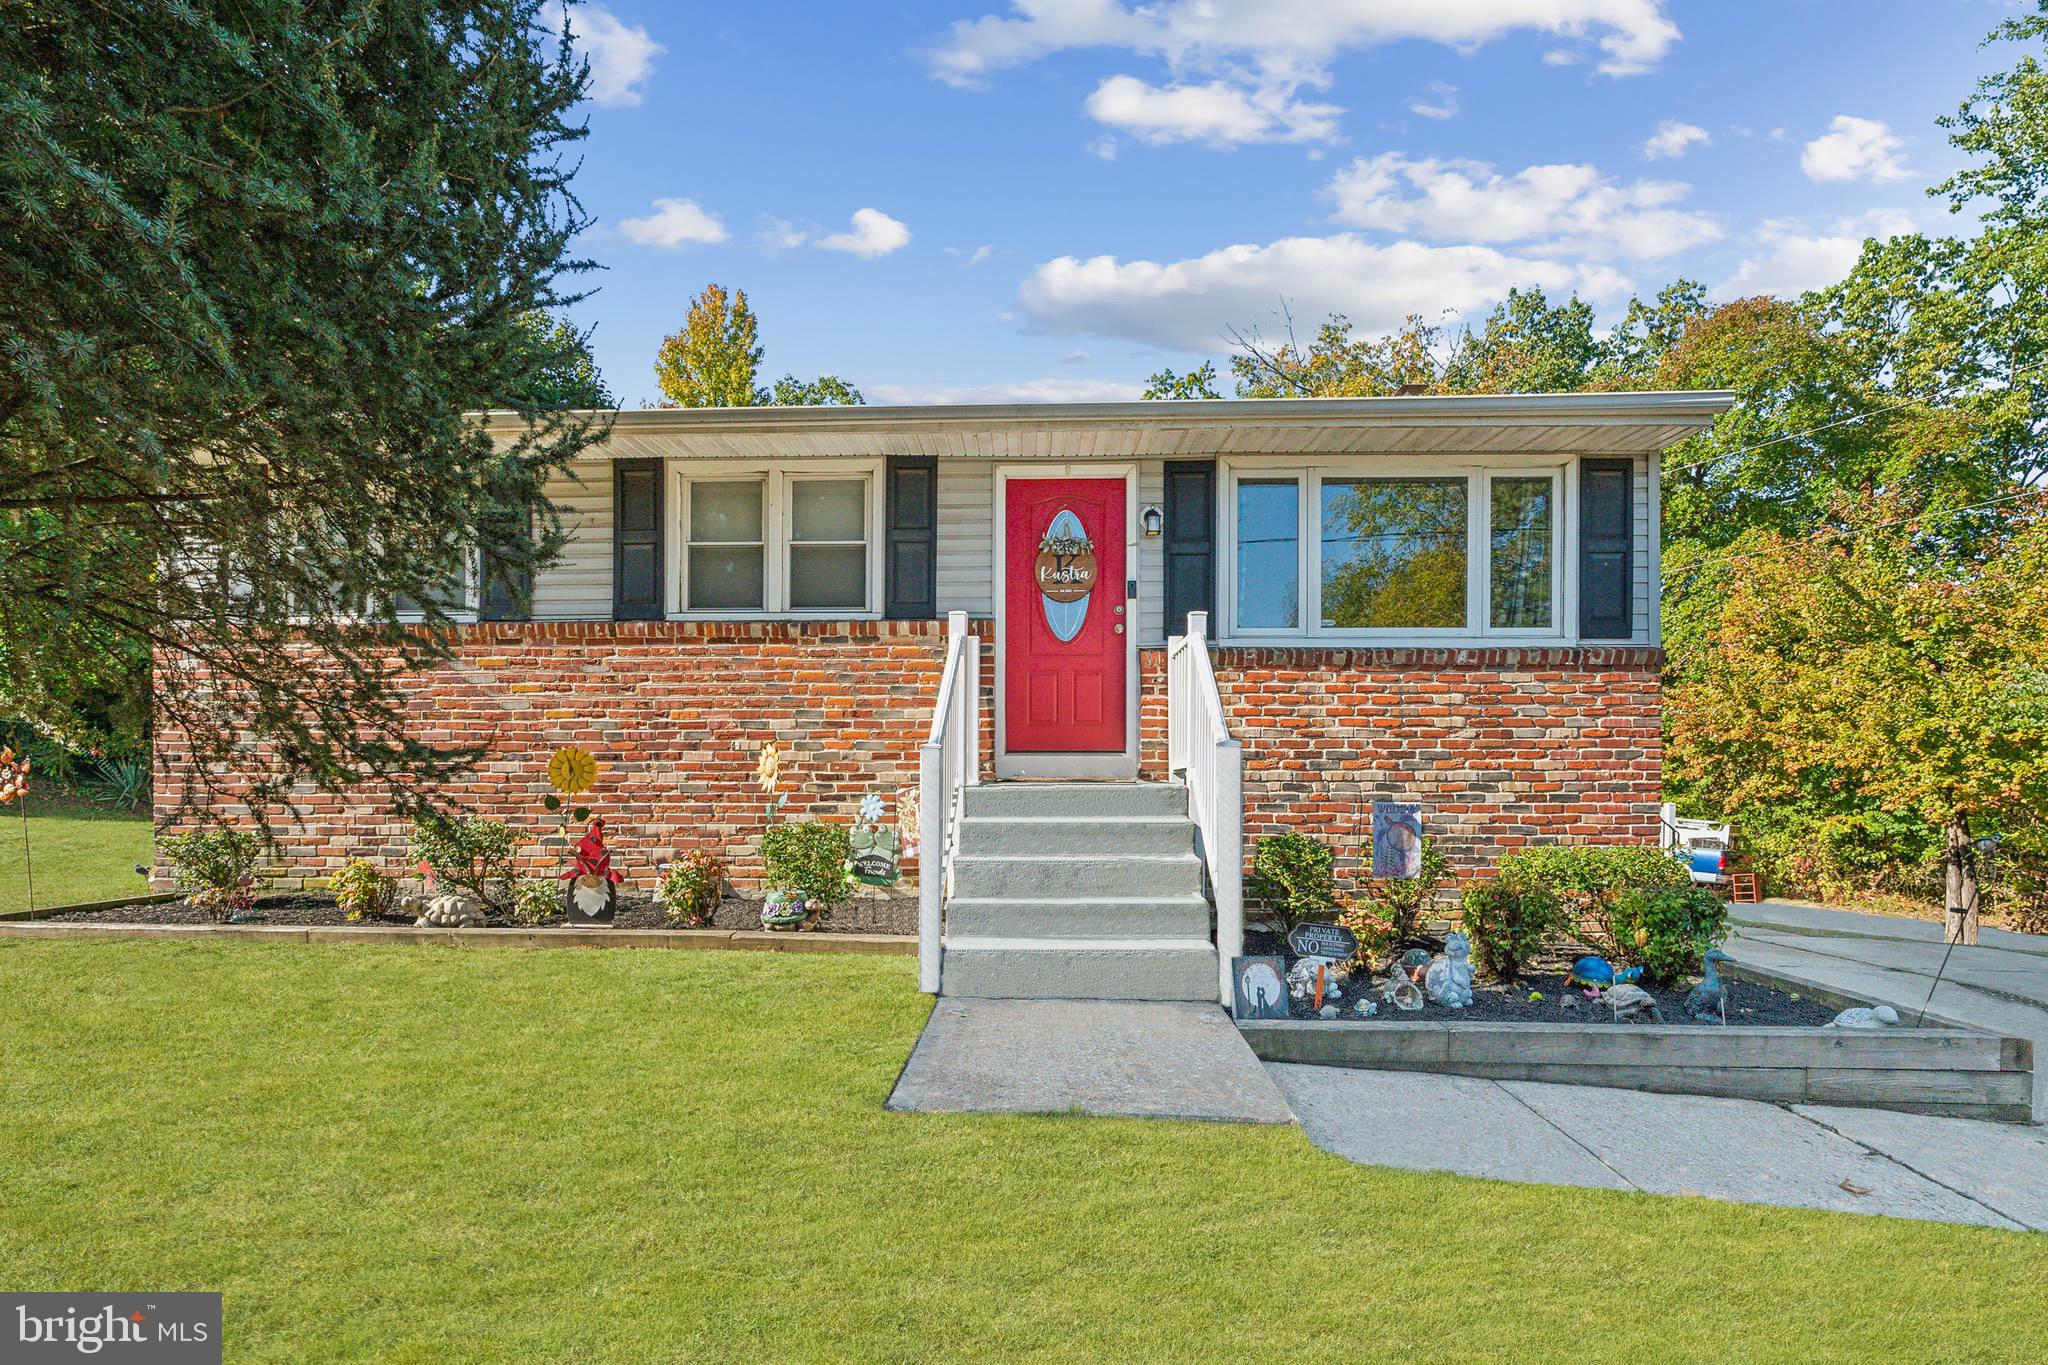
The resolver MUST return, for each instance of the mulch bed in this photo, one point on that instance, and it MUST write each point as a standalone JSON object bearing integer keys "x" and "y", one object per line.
{"x": 1748, "y": 1002}
{"x": 309, "y": 909}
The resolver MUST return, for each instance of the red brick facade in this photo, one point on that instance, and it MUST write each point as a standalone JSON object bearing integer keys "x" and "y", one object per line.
{"x": 1501, "y": 746}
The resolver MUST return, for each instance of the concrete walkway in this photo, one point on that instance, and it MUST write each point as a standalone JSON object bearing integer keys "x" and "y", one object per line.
{"x": 1903, "y": 1165}
{"x": 2000, "y": 984}
{"x": 1111, "y": 1059}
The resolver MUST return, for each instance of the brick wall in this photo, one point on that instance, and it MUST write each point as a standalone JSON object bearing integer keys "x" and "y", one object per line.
{"x": 675, "y": 712}
{"x": 1503, "y": 747}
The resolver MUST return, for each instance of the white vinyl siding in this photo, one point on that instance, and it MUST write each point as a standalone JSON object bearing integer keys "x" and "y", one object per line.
{"x": 578, "y": 587}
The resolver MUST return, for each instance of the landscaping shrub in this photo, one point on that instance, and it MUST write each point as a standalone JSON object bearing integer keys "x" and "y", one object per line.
{"x": 1293, "y": 877}
{"x": 472, "y": 855}
{"x": 1401, "y": 901}
{"x": 1665, "y": 931}
{"x": 811, "y": 858}
{"x": 690, "y": 887}
{"x": 536, "y": 899}
{"x": 1509, "y": 924}
{"x": 215, "y": 868}
{"x": 361, "y": 892}
{"x": 1590, "y": 881}
{"x": 1374, "y": 934}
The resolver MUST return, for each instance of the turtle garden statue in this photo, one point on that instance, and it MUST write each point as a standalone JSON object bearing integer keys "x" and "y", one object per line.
{"x": 447, "y": 910}
{"x": 1449, "y": 978}
{"x": 1709, "y": 999}
{"x": 1630, "y": 1003}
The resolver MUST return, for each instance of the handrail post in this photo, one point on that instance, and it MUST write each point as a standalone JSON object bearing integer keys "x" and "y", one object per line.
{"x": 930, "y": 860}
{"x": 1226, "y": 871}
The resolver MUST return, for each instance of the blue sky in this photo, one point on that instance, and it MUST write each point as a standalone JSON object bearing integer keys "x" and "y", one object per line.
{"x": 988, "y": 201}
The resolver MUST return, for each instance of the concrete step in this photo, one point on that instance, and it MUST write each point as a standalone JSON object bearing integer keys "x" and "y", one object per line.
{"x": 986, "y": 877}
{"x": 1078, "y": 969}
{"x": 1141, "y": 836}
{"x": 1140, "y": 917}
{"x": 1076, "y": 800}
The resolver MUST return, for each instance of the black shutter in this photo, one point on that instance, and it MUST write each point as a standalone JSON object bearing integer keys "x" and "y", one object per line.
{"x": 506, "y": 594}
{"x": 1606, "y": 549}
{"x": 911, "y": 513}
{"x": 1190, "y": 541}
{"x": 636, "y": 541}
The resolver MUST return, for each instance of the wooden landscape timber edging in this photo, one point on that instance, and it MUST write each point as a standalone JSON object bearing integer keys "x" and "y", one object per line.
{"x": 1958, "y": 1072}
{"x": 745, "y": 940}
{"x": 45, "y": 911}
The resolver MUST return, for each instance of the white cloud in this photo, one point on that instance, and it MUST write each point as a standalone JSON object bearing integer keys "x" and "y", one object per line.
{"x": 621, "y": 55}
{"x": 1561, "y": 56}
{"x": 675, "y": 223}
{"x": 1672, "y": 138}
{"x": 975, "y": 256}
{"x": 1023, "y": 391}
{"x": 1192, "y": 304}
{"x": 1439, "y": 100}
{"x": 1563, "y": 208}
{"x": 874, "y": 234}
{"x": 1290, "y": 39}
{"x": 1854, "y": 149}
{"x": 1793, "y": 261}
{"x": 779, "y": 234}
{"x": 1218, "y": 112}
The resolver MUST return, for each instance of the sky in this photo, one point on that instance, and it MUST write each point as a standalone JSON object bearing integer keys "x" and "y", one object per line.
{"x": 1018, "y": 200}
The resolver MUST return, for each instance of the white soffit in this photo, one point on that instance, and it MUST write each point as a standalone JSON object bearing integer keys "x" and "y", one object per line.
{"x": 1479, "y": 424}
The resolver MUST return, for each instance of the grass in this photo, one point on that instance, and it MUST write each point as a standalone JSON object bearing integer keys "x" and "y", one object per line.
{"x": 429, "y": 1154}
{"x": 82, "y": 852}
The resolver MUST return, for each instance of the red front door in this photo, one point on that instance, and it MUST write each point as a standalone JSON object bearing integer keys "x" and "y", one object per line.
{"x": 1065, "y": 616}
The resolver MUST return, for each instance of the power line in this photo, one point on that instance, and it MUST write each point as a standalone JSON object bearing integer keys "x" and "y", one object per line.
{"x": 1829, "y": 426}
{"x": 1895, "y": 521}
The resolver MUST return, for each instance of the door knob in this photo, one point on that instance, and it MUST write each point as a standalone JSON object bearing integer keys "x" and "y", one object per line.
{"x": 1119, "y": 627}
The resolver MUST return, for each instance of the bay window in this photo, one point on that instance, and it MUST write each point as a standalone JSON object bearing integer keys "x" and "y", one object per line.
{"x": 1358, "y": 551}
{"x": 777, "y": 542}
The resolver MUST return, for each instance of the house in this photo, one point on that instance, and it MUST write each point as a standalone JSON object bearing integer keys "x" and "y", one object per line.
{"x": 1447, "y": 600}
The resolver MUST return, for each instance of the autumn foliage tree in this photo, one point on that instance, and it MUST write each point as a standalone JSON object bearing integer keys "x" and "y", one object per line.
{"x": 714, "y": 360}
{"x": 1870, "y": 660}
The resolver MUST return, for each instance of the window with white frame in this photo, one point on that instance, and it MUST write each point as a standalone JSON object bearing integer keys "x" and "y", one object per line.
{"x": 1368, "y": 551}
{"x": 800, "y": 541}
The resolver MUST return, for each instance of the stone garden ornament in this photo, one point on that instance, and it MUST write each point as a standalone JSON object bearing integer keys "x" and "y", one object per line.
{"x": 1709, "y": 999}
{"x": 1448, "y": 980}
{"x": 1863, "y": 1017}
{"x": 1630, "y": 1003}
{"x": 448, "y": 910}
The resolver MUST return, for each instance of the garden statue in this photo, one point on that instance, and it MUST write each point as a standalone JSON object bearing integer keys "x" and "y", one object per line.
{"x": 1630, "y": 1002}
{"x": 1596, "y": 974}
{"x": 1301, "y": 980}
{"x": 1449, "y": 978}
{"x": 1366, "y": 1008}
{"x": 784, "y": 910}
{"x": 877, "y": 849}
{"x": 1709, "y": 999}
{"x": 1397, "y": 990}
{"x": 590, "y": 888}
{"x": 1884, "y": 1016}
{"x": 447, "y": 910}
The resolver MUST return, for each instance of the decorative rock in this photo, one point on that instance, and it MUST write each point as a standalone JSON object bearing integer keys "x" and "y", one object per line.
{"x": 1327, "y": 1012}
{"x": 451, "y": 910}
{"x": 1884, "y": 1016}
{"x": 1449, "y": 978}
{"x": 1630, "y": 1003}
{"x": 1400, "y": 992}
{"x": 1301, "y": 979}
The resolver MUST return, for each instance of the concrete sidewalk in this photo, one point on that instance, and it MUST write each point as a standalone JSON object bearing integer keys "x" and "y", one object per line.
{"x": 1111, "y": 1059}
{"x": 1902, "y": 1165}
{"x": 1999, "y": 985}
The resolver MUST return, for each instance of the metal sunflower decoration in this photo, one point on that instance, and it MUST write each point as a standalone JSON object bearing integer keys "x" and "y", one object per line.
{"x": 572, "y": 771}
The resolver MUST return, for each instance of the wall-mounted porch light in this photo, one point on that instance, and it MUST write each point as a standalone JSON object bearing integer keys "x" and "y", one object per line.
{"x": 1152, "y": 520}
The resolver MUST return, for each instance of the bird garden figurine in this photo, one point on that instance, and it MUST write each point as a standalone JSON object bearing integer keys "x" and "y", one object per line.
{"x": 1709, "y": 999}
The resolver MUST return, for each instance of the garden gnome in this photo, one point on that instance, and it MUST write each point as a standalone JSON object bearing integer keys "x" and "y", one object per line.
{"x": 590, "y": 889}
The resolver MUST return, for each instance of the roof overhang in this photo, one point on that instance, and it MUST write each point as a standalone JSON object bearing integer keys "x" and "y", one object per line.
{"x": 1477, "y": 424}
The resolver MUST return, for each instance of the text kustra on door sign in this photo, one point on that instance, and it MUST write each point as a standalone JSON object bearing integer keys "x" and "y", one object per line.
{"x": 1066, "y": 561}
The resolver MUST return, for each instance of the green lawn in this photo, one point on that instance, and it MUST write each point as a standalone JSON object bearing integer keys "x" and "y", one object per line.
{"x": 82, "y": 852}
{"x": 428, "y": 1154}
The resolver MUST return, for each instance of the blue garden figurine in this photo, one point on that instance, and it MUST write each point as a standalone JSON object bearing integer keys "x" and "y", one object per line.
{"x": 1596, "y": 974}
{"x": 1709, "y": 999}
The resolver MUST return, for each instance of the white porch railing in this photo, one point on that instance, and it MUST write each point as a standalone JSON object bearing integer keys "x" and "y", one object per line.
{"x": 949, "y": 762}
{"x": 1199, "y": 746}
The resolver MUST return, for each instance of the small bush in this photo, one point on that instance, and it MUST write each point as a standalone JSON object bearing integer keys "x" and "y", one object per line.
{"x": 215, "y": 868}
{"x": 1587, "y": 877}
{"x": 536, "y": 899}
{"x": 361, "y": 892}
{"x": 1401, "y": 901}
{"x": 472, "y": 855}
{"x": 1509, "y": 925}
{"x": 691, "y": 886}
{"x": 1665, "y": 931}
{"x": 1293, "y": 877}
{"x": 1374, "y": 934}
{"x": 811, "y": 858}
